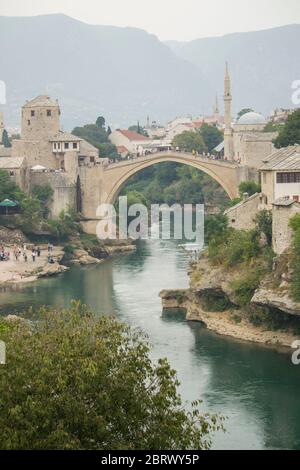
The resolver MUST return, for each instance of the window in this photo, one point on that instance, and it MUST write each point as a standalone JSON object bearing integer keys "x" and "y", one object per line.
{"x": 28, "y": 122}
{"x": 66, "y": 145}
{"x": 75, "y": 145}
{"x": 92, "y": 159}
{"x": 55, "y": 145}
{"x": 48, "y": 112}
{"x": 32, "y": 112}
{"x": 291, "y": 177}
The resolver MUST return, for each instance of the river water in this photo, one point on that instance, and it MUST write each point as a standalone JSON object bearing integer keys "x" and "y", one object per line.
{"x": 255, "y": 388}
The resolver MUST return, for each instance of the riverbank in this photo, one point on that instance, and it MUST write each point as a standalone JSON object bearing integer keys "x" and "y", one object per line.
{"x": 80, "y": 250}
{"x": 240, "y": 302}
{"x": 14, "y": 272}
{"x": 231, "y": 323}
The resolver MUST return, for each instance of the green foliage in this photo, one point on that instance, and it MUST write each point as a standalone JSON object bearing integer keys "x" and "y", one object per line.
{"x": 139, "y": 129}
{"x": 97, "y": 135}
{"x": 263, "y": 222}
{"x": 289, "y": 134}
{"x": 215, "y": 227}
{"x": 175, "y": 183}
{"x": 215, "y": 303}
{"x": 235, "y": 201}
{"x": 211, "y": 135}
{"x": 100, "y": 122}
{"x": 249, "y": 187}
{"x": 83, "y": 381}
{"x": 295, "y": 222}
{"x": 44, "y": 195}
{"x": 270, "y": 318}
{"x": 65, "y": 226}
{"x": 237, "y": 246}
{"x": 5, "y": 139}
{"x": 190, "y": 141}
{"x": 8, "y": 189}
{"x": 273, "y": 127}
{"x": 244, "y": 111}
{"x": 245, "y": 287}
{"x": 295, "y": 264}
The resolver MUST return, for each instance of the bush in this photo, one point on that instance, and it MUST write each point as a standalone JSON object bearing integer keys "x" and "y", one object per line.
{"x": 80, "y": 381}
{"x": 295, "y": 264}
{"x": 249, "y": 187}
{"x": 245, "y": 287}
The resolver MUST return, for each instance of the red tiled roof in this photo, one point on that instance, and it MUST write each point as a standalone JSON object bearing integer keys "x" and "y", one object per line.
{"x": 122, "y": 149}
{"x": 198, "y": 124}
{"x": 131, "y": 135}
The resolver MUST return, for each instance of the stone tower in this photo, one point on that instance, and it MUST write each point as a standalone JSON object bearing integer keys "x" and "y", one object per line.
{"x": 228, "y": 133}
{"x": 40, "y": 119}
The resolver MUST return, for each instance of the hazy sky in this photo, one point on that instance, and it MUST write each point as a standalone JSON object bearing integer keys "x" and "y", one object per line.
{"x": 168, "y": 19}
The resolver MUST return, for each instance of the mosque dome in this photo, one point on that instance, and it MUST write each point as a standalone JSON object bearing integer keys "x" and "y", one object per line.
{"x": 252, "y": 118}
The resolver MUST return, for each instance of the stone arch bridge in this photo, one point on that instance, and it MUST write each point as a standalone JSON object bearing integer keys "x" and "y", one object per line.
{"x": 102, "y": 184}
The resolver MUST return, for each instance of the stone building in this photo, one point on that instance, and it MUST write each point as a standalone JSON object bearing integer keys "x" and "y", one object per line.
{"x": 43, "y": 143}
{"x": 130, "y": 141}
{"x": 280, "y": 175}
{"x": 283, "y": 210}
{"x": 17, "y": 169}
{"x": 245, "y": 141}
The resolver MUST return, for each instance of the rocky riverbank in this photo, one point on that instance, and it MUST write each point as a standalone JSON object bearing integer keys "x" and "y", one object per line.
{"x": 270, "y": 318}
{"x": 77, "y": 252}
{"x": 14, "y": 272}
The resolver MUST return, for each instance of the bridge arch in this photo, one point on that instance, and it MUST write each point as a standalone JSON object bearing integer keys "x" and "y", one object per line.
{"x": 225, "y": 173}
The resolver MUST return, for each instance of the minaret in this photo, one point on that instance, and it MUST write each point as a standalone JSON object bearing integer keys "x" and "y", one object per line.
{"x": 148, "y": 122}
{"x": 228, "y": 134}
{"x": 216, "y": 107}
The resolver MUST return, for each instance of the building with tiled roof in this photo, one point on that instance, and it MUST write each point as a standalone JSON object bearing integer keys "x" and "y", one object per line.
{"x": 280, "y": 175}
{"x": 132, "y": 141}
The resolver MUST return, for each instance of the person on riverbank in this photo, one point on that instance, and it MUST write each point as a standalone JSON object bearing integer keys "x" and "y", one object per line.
{"x": 38, "y": 251}
{"x": 33, "y": 254}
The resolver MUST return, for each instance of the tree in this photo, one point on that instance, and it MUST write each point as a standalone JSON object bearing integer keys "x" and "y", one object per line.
{"x": 211, "y": 136}
{"x": 249, "y": 187}
{"x": 263, "y": 222}
{"x": 75, "y": 380}
{"x": 295, "y": 264}
{"x": 140, "y": 130}
{"x": 100, "y": 122}
{"x": 97, "y": 136}
{"x": 5, "y": 139}
{"x": 43, "y": 194}
{"x": 189, "y": 141}
{"x": 290, "y": 132}
{"x": 8, "y": 189}
{"x": 108, "y": 131}
{"x": 244, "y": 111}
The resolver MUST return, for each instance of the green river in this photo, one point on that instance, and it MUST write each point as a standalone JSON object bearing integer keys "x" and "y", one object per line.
{"x": 255, "y": 388}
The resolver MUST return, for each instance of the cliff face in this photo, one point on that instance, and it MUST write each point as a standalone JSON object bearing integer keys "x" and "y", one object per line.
{"x": 270, "y": 317}
{"x": 273, "y": 291}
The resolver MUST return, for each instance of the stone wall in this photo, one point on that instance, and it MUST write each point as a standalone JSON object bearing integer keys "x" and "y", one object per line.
{"x": 242, "y": 215}
{"x": 64, "y": 190}
{"x": 282, "y": 233}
